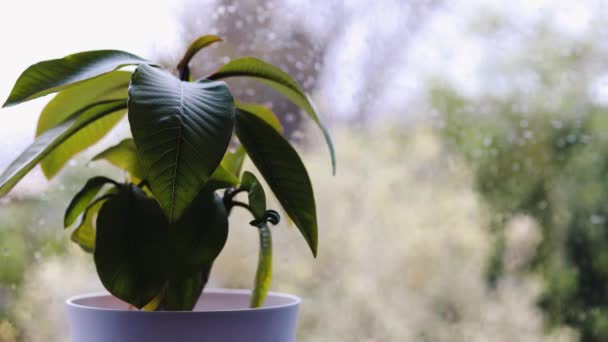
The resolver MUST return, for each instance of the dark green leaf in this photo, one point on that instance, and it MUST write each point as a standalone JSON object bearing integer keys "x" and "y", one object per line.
{"x": 263, "y": 113}
{"x": 124, "y": 156}
{"x": 280, "y": 81}
{"x": 81, "y": 200}
{"x": 257, "y": 197}
{"x": 57, "y": 74}
{"x": 52, "y": 138}
{"x": 199, "y": 236}
{"x": 110, "y": 86}
{"x": 183, "y": 293}
{"x": 283, "y": 170}
{"x": 84, "y": 234}
{"x": 181, "y": 131}
{"x": 263, "y": 274}
{"x": 130, "y": 247}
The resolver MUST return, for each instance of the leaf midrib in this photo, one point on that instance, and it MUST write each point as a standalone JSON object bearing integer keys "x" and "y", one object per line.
{"x": 177, "y": 148}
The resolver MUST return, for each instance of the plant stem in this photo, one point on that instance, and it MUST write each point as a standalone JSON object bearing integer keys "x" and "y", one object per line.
{"x": 263, "y": 275}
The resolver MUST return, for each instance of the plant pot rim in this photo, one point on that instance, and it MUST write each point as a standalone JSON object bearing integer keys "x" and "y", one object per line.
{"x": 289, "y": 300}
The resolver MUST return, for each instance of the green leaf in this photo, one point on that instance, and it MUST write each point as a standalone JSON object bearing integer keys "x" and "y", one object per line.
{"x": 84, "y": 234}
{"x": 124, "y": 156}
{"x": 263, "y": 274}
{"x": 57, "y": 74}
{"x": 195, "y": 47}
{"x": 130, "y": 247}
{"x": 233, "y": 161}
{"x": 183, "y": 293}
{"x": 199, "y": 236}
{"x": 52, "y": 138}
{"x": 81, "y": 200}
{"x": 255, "y": 192}
{"x": 110, "y": 86}
{"x": 181, "y": 131}
{"x": 283, "y": 170}
{"x": 263, "y": 113}
{"x": 281, "y": 82}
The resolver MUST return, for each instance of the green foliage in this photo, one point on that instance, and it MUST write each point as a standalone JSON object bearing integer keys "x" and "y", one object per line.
{"x": 283, "y": 170}
{"x": 54, "y": 75}
{"x": 181, "y": 130}
{"x": 54, "y": 137}
{"x": 123, "y": 156}
{"x": 154, "y": 242}
{"x": 110, "y": 86}
{"x": 281, "y": 82}
{"x": 130, "y": 253}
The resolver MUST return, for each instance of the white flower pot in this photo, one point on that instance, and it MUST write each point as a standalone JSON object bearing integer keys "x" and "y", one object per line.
{"x": 219, "y": 316}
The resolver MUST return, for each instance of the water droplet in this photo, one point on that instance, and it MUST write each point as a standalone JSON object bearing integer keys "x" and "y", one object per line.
{"x": 597, "y": 219}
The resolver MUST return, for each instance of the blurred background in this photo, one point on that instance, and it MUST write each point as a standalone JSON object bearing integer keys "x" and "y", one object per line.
{"x": 471, "y": 197}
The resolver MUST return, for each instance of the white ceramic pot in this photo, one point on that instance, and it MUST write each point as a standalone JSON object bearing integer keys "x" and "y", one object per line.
{"x": 219, "y": 316}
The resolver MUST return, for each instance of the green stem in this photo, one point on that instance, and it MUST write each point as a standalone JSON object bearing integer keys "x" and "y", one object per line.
{"x": 263, "y": 275}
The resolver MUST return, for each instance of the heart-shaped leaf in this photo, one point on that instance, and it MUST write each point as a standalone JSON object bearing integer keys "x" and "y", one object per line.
{"x": 263, "y": 274}
{"x": 130, "y": 247}
{"x": 110, "y": 86}
{"x": 283, "y": 170}
{"x": 255, "y": 192}
{"x": 124, "y": 156}
{"x": 81, "y": 200}
{"x": 57, "y": 74}
{"x": 281, "y": 82}
{"x": 181, "y": 131}
{"x": 52, "y": 138}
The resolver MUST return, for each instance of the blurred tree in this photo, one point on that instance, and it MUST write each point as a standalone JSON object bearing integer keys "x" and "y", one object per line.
{"x": 552, "y": 166}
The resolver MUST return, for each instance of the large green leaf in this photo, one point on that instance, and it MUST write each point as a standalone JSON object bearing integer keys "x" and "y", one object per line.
{"x": 181, "y": 131}
{"x": 280, "y": 165}
{"x": 111, "y": 86}
{"x": 57, "y": 74}
{"x": 124, "y": 156}
{"x": 280, "y": 81}
{"x": 263, "y": 274}
{"x": 81, "y": 200}
{"x": 130, "y": 247}
{"x": 199, "y": 236}
{"x": 52, "y": 138}
{"x": 255, "y": 193}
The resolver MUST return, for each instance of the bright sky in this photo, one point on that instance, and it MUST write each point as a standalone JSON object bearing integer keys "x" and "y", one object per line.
{"x": 35, "y": 30}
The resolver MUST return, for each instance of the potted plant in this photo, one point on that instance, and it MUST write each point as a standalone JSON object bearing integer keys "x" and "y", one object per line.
{"x": 154, "y": 237}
